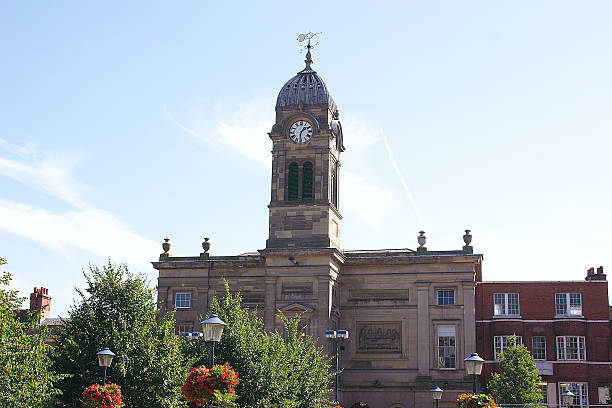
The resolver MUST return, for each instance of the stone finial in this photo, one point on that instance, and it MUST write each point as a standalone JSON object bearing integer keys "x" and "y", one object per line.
{"x": 422, "y": 240}
{"x": 166, "y": 247}
{"x": 467, "y": 239}
{"x": 206, "y": 248}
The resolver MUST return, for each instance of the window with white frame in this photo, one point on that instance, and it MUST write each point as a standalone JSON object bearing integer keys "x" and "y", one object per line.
{"x": 446, "y": 297}
{"x": 506, "y": 304}
{"x": 544, "y": 391}
{"x": 538, "y": 347}
{"x": 568, "y": 304}
{"x": 571, "y": 348}
{"x": 182, "y": 300}
{"x": 447, "y": 347}
{"x": 501, "y": 343}
{"x": 181, "y": 328}
{"x": 580, "y": 391}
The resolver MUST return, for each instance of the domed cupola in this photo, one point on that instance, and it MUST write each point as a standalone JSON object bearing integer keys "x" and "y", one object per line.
{"x": 306, "y": 88}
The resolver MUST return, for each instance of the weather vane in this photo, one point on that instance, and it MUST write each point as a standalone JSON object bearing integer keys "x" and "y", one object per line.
{"x": 308, "y": 36}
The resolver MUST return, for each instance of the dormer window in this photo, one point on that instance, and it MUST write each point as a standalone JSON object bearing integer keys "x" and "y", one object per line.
{"x": 568, "y": 304}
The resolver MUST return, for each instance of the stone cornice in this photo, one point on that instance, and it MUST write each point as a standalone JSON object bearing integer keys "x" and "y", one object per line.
{"x": 404, "y": 258}
{"x": 303, "y": 251}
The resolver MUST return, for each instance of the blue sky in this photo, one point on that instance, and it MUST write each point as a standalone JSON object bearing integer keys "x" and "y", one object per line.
{"x": 122, "y": 123}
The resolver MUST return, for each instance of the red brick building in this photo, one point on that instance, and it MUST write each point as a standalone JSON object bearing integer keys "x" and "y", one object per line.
{"x": 565, "y": 325}
{"x": 40, "y": 301}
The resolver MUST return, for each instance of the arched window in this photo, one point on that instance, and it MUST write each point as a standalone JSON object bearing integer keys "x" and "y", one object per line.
{"x": 307, "y": 181}
{"x": 292, "y": 182}
{"x": 334, "y": 190}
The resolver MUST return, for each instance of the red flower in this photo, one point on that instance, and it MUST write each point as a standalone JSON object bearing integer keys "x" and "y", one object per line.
{"x": 102, "y": 396}
{"x": 201, "y": 383}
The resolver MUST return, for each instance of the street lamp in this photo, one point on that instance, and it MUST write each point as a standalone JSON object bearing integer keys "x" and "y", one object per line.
{"x": 212, "y": 329}
{"x": 437, "y": 395}
{"x": 337, "y": 336}
{"x": 568, "y": 398}
{"x": 105, "y": 357}
{"x": 473, "y": 365}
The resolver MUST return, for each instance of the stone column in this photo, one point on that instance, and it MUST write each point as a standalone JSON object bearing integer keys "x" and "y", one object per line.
{"x": 423, "y": 325}
{"x": 270, "y": 302}
{"x": 320, "y": 322}
{"x": 162, "y": 298}
{"x": 469, "y": 320}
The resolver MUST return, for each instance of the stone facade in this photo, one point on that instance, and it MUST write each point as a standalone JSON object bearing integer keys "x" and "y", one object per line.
{"x": 388, "y": 300}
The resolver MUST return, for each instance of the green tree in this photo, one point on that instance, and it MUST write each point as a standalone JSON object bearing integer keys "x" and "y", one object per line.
{"x": 26, "y": 376}
{"x": 518, "y": 382}
{"x": 117, "y": 310}
{"x": 274, "y": 370}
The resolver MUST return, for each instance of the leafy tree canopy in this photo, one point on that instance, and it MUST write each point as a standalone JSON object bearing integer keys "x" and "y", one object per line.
{"x": 26, "y": 376}
{"x": 274, "y": 370}
{"x": 518, "y": 382}
{"x": 117, "y": 310}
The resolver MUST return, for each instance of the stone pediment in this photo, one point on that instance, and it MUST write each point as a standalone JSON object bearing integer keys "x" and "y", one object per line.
{"x": 297, "y": 308}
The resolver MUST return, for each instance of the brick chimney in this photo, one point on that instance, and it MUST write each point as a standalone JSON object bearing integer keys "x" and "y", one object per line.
{"x": 40, "y": 300}
{"x": 592, "y": 276}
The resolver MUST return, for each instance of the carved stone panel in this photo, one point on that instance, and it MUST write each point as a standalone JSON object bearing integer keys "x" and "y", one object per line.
{"x": 297, "y": 290}
{"x": 379, "y": 337}
{"x": 377, "y": 295}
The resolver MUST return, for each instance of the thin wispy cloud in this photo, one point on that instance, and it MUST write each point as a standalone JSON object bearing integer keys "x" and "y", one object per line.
{"x": 85, "y": 227}
{"x": 26, "y": 151}
{"x": 92, "y": 230}
{"x": 245, "y": 131}
{"x": 51, "y": 174}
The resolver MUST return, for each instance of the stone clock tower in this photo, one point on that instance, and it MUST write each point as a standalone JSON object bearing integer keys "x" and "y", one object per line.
{"x": 307, "y": 142}
{"x": 410, "y": 313}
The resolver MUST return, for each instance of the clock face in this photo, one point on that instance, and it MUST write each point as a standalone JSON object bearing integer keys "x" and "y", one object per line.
{"x": 301, "y": 131}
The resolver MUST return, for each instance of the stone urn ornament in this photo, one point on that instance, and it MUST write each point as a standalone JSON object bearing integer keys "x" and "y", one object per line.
{"x": 206, "y": 244}
{"x": 206, "y": 248}
{"x": 467, "y": 238}
{"x": 422, "y": 239}
{"x": 166, "y": 246}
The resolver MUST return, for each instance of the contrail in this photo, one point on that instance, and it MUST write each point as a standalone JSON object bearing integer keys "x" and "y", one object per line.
{"x": 399, "y": 174}
{"x": 185, "y": 128}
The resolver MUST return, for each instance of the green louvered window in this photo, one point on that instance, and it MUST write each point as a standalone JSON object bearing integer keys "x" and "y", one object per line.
{"x": 307, "y": 181}
{"x": 292, "y": 182}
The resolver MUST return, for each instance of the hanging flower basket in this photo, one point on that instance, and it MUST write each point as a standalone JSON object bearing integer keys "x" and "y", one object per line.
{"x": 475, "y": 401}
{"x": 214, "y": 386}
{"x": 102, "y": 396}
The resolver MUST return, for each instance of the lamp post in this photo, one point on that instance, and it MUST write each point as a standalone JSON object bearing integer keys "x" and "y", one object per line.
{"x": 473, "y": 365}
{"x": 212, "y": 329}
{"x": 568, "y": 398}
{"x": 437, "y": 395}
{"x": 105, "y": 357}
{"x": 337, "y": 336}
